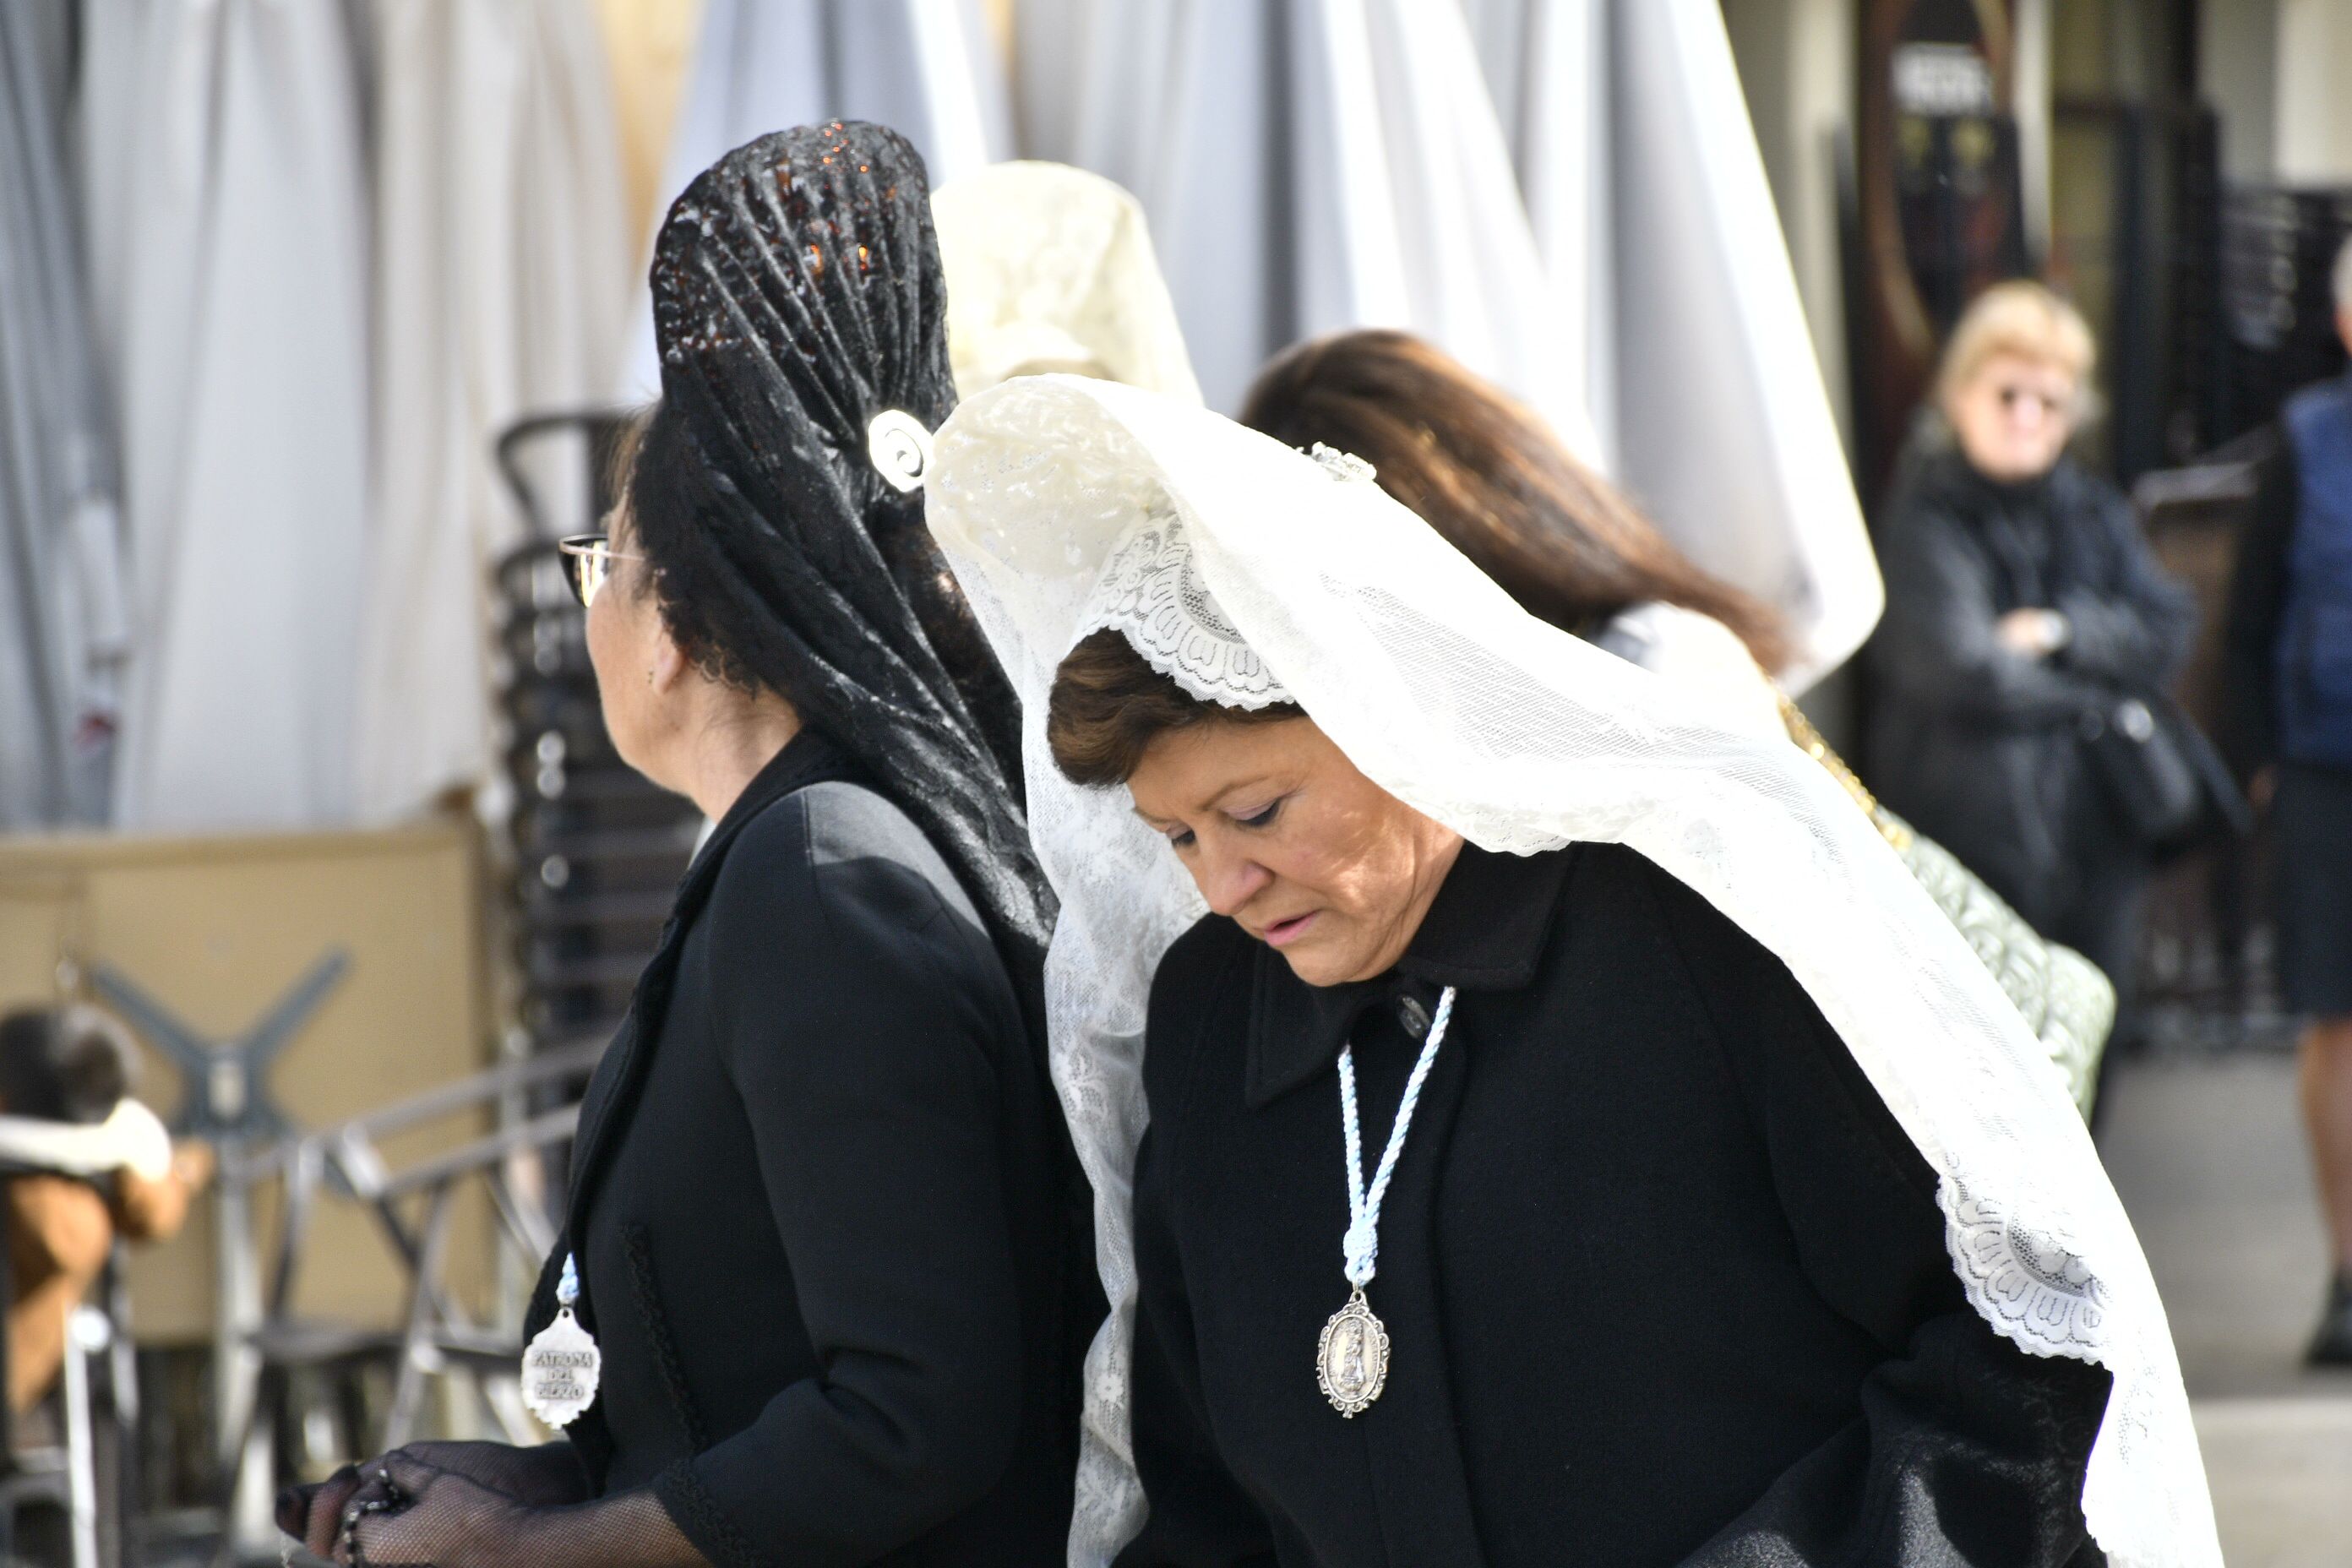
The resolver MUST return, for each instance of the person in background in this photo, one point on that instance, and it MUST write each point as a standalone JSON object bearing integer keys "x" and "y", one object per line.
{"x": 2288, "y": 653}
{"x": 89, "y": 1164}
{"x": 1489, "y": 475}
{"x": 2021, "y": 599}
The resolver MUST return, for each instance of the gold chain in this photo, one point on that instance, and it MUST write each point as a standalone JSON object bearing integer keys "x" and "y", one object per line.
{"x": 1808, "y": 740}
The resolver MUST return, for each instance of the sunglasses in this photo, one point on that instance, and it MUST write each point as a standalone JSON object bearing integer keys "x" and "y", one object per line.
{"x": 587, "y": 562}
{"x": 2053, "y": 408}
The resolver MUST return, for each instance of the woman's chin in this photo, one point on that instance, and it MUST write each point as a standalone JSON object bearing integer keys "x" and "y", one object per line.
{"x": 1319, "y": 963}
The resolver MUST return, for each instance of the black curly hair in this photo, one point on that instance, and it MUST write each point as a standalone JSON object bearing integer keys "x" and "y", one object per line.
{"x": 63, "y": 1064}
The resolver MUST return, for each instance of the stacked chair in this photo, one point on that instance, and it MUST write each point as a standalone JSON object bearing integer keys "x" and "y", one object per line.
{"x": 596, "y": 850}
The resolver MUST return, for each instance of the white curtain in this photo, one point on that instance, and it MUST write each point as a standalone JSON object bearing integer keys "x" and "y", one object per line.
{"x": 929, "y": 69}
{"x": 503, "y": 253}
{"x": 224, "y": 194}
{"x": 1308, "y": 166}
{"x": 1546, "y": 66}
{"x": 1649, "y": 197}
{"x": 1564, "y": 194}
{"x": 61, "y": 630}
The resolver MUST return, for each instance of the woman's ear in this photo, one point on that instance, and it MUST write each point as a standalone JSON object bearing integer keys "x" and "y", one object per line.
{"x": 667, "y": 662}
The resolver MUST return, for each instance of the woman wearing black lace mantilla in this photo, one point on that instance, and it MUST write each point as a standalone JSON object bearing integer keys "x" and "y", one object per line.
{"x": 825, "y": 1285}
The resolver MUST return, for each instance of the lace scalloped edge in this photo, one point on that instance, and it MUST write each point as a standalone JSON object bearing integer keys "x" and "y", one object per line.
{"x": 2011, "y": 1291}
{"x": 1175, "y": 670}
{"x": 2025, "y": 1300}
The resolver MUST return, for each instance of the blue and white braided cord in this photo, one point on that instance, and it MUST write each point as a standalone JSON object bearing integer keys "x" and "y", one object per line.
{"x": 1360, "y": 1248}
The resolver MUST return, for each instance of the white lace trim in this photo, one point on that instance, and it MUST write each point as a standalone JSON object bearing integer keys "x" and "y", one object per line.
{"x": 2034, "y": 1289}
{"x": 1153, "y": 595}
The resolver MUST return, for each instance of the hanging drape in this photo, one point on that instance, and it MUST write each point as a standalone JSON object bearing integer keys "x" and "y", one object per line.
{"x": 502, "y": 250}
{"x": 928, "y": 68}
{"x": 225, "y": 194}
{"x": 61, "y": 631}
{"x": 1308, "y": 166}
{"x": 1565, "y": 194}
{"x": 649, "y": 49}
{"x": 1648, "y": 195}
{"x": 1546, "y": 69}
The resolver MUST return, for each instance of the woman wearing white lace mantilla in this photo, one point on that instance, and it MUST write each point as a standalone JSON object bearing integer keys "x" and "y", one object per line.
{"x": 1573, "y": 1135}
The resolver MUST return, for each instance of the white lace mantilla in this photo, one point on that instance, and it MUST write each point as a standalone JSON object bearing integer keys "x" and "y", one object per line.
{"x": 1151, "y": 593}
{"x": 1521, "y": 738}
{"x": 1051, "y": 268}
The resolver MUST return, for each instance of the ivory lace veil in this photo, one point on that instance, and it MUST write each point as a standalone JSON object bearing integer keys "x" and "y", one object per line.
{"x": 1050, "y": 268}
{"x": 1065, "y": 504}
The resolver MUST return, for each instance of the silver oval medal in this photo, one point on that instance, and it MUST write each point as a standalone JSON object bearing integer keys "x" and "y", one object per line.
{"x": 560, "y": 1367}
{"x": 1351, "y": 1361}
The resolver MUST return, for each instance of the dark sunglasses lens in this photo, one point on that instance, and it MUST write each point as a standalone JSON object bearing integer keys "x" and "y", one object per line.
{"x": 2010, "y": 396}
{"x": 584, "y": 566}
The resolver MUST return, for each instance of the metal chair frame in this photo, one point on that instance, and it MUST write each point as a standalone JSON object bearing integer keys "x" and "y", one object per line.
{"x": 414, "y": 1209}
{"x": 66, "y": 1476}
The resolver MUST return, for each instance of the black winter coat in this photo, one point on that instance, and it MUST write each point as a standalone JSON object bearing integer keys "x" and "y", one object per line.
{"x": 1666, "y": 1284}
{"x": 2259, "y": 585}
{"x": 1983, "y": 748}
{"x": 821, "y": 1203}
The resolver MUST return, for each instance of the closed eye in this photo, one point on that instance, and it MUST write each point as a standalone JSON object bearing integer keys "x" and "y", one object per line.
{"x": 1262, "y": 818}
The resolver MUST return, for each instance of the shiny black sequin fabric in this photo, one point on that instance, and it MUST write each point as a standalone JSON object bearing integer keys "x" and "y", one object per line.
{"x": 797, "y": 294}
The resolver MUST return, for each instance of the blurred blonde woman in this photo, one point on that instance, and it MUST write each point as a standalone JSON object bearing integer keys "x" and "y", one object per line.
{"x": 2022, "y": 604}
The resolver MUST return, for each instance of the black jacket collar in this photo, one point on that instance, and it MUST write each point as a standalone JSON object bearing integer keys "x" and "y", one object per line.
{"x": 807, "y": 758}
{"x": 1486, "y": 930}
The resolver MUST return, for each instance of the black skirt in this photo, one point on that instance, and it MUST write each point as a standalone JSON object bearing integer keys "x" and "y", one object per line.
{"x": 2312, "y": 815}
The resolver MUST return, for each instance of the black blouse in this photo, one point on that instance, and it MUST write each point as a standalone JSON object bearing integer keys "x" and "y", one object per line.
{"x": 823, "y": 1208}
{"x": 1665, "y": 1281}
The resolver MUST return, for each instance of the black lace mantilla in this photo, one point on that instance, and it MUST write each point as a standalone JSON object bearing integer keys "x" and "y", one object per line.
{"x": 797, "y": 295}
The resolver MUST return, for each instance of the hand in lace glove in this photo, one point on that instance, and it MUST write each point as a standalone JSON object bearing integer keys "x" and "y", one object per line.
{"x": 547, "y": 1475}
{"x": 538, "y": 1476}
{"x": 544, "y": 1476}
{"x": 407, "y": 1513}
{"x": 313, "y": 1514}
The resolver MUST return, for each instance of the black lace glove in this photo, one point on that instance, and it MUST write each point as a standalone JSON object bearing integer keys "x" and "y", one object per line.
{"x": 544, "y": 1477}
{"x": 408, "y": 1513}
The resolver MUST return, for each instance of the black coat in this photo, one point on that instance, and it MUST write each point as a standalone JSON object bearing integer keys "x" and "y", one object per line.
{"x": 1983, "y": 748}
{"x": 1665, "y": 1281}
{"x": 823, "y": 1208}
{"x": 2258, "y": 585}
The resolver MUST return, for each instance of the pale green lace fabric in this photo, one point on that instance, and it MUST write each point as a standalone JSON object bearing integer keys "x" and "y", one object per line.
{"x": 2067, "y": 1002}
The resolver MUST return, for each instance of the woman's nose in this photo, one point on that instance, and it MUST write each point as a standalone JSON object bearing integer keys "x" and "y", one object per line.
{"x": 1228, "y": 881}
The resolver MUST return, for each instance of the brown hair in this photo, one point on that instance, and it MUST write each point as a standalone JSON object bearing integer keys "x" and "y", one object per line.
{"x": 1108, "y": 705}
{"x": 1491, "y": 476}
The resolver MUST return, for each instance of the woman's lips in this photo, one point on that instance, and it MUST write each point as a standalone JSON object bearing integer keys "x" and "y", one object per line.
{"x": 1282, "y": 934}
